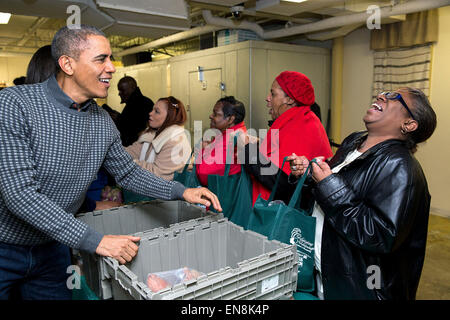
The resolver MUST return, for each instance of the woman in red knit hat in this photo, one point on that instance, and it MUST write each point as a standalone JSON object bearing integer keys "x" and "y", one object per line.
{"x": 295, "y": 129}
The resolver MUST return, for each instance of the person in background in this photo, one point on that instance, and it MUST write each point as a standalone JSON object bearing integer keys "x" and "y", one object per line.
{"x": 227, "y": 118}
{"x": 53, "y": 140}
{"x": 294, "y": 128}
{"x": 19, "y": 81}
{"x": 133, "y": 119}
{"x": 316, "y": 109}
{"x": 114, "y": 114}
{"x": 372, "y": 203}
{"x": 163, "y": 148}
{"x": 41, "y": 66}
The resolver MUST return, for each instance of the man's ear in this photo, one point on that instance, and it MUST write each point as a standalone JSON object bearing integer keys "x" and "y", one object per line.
{"x": 66, "y": 64}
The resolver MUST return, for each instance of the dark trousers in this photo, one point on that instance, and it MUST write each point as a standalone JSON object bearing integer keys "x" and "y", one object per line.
{"x": 34, "y": 272}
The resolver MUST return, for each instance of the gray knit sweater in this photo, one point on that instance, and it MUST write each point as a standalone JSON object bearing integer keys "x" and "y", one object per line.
{"x": 49, "y": 155}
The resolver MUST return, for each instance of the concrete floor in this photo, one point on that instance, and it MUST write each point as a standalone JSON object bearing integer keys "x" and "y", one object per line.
{"x": 435, "y": 280}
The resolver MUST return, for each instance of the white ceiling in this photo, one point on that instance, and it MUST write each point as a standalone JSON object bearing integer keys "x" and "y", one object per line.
{"x": 134, "y": 22}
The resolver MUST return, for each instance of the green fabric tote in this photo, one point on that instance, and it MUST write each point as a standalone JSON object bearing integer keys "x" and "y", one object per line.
{"x": 304, "y": 296}
{"x": 234, "y": 192}
{"x": 187, "y": 178}
{"x": 287, "y": 224}
{"x": 133, "y": 197}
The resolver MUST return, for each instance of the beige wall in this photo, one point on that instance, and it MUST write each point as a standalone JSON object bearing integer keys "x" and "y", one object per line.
{"x": 13, "y": 67}
{"x": 151, "y": 78}
{"x": 357, "y": 83}
{"x": 357, "y": 80}
{"x": 248, "y": 69}
{"x": 434, "y": 155}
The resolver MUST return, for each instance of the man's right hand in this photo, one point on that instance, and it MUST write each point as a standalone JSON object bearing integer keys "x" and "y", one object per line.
{"x": 119, "y": 247}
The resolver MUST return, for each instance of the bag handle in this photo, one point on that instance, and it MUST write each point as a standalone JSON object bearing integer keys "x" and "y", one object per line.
{"x": 297, "y": 196}
{"x": 228, "y": 157}
{"x": 189, "y": 161}
{"x": 193, "y": 172}
{"x": 274, "y": 189}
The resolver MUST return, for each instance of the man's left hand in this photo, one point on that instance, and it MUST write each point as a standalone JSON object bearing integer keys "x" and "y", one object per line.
{"x": 202, "y": 196}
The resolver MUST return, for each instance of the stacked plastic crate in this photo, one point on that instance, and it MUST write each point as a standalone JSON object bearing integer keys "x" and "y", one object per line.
{"x": 235, "y": 263}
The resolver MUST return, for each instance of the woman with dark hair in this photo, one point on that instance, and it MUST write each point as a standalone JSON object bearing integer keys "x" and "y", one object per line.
{"x": 163, "y": 148}
{"x": 227, "y": 119}
{"x": 41, "y": 66}
{"x": 372, "y": 203}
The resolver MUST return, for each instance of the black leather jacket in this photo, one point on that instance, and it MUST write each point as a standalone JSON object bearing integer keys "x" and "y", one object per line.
{"x": 376, "y": 214}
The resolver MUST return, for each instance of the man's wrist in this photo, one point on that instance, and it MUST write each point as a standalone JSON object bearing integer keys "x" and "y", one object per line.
{"x": 90, "y": 240}
{"x": 177, "y": 191}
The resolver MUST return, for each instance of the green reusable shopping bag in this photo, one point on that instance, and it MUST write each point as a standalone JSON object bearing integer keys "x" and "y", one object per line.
{"x": 234, "y": 192}
{"x": 187, "y": 178}
{"x": 304, "y": 296}
{"x": 133, "y": 197}
{"x": 287, "y": 224}
{"x": 84, "y": 292}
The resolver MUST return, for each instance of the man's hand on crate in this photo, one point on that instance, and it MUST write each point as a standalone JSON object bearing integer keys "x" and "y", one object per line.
{"x": 119, "y": 247}
{"x": 202, "y": 196}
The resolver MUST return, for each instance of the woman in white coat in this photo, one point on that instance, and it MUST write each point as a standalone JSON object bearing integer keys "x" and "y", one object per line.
{"x": 163, "y": 148}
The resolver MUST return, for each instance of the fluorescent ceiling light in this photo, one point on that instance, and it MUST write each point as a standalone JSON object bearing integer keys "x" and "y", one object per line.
{"x": 298, "y": 1}
{"x": 4, "y": 17}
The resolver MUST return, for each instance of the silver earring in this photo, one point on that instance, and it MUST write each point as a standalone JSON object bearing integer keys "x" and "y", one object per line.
{"x": 403, "y": 131}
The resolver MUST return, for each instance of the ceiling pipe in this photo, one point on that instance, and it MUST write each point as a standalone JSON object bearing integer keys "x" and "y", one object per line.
{"x": 169, "y": 39}
{"x": 334, "y": 22}
{"x": 232, "y": 24}
{"x": 404, "y": 8}
{"x": 148, "y": 25}
{"x": 36, "y": 24}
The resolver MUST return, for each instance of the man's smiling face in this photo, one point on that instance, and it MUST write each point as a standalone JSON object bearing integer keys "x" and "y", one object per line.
{"x": 93, "y": 69}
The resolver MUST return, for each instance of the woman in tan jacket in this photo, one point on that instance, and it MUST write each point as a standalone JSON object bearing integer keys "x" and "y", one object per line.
{"x": 163, "y": 148}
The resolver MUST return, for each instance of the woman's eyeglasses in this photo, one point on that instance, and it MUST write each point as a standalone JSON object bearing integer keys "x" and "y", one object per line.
{"x": 397, "y": 96}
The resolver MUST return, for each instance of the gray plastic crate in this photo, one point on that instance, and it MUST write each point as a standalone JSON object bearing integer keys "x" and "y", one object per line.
{"x": 131, "y": 219}
{"x": 237, "y": 264}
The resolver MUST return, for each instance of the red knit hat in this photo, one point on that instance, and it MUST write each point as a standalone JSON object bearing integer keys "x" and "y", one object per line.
{"x": 297, "y": 86}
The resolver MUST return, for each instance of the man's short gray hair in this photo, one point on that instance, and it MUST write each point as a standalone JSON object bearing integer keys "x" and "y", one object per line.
{"x": 71, "y": 42}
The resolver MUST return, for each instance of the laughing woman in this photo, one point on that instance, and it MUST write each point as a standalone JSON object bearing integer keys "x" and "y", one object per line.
{"x": 294, "y": 129}
{"x": 372, "y": 203}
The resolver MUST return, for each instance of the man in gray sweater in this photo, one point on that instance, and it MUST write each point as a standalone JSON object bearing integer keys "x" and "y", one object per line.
{"x": 53, "y": 140}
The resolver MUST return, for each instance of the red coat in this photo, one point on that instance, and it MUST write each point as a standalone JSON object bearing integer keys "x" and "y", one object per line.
{"x": 214, "y": 156}
{"x": 297, "y": 130}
